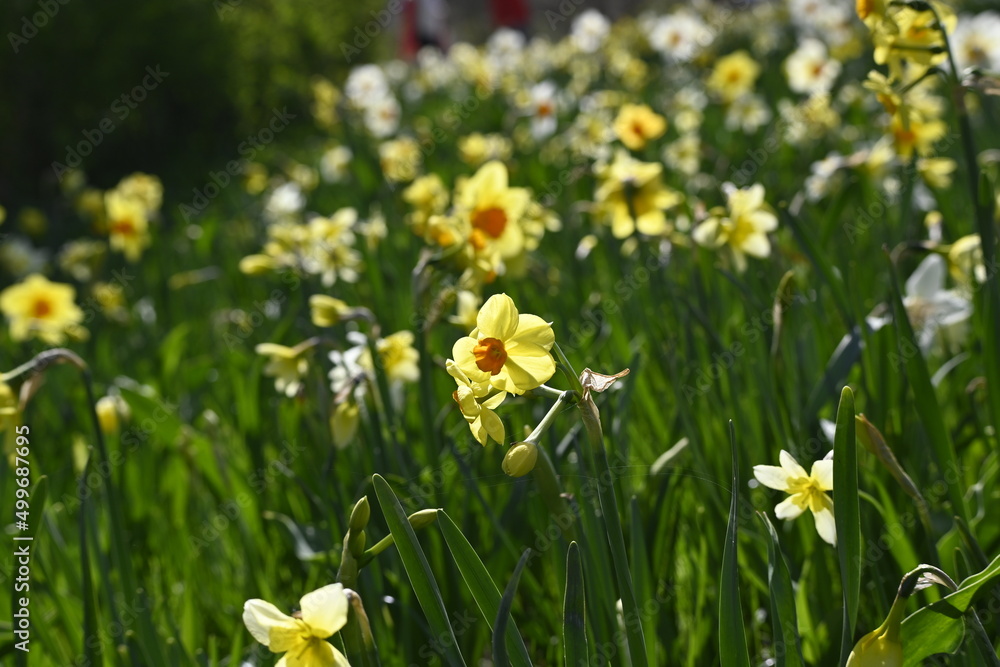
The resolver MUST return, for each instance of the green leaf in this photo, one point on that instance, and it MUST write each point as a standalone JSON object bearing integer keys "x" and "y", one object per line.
{"x": 503, "y": 613}
{"x": 928, "y": 409}
{"x": 418, "y": 571}
{"x": 940, "y": 627}
{"x": 779, "y": 581}
{"x": 732, "y": 634}
{"x": 847, "y": 512}
{"x": 484, "y": 590}
{"x": 575, "y": 611}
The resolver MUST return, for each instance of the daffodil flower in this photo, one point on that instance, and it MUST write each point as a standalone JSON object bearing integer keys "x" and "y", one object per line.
{"x": 286, "y": 365}
{"x": 477, "y": 406}
{"x": 301, "y": 637}
{"x": 508, "y": 349}
{"x": 806, "y": 491}
{"x": 37, "y": 307}
{"x": 742, "y": 226}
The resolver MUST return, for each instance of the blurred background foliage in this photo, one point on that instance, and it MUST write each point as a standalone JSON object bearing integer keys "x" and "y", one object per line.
{"x": 230, "y": 62}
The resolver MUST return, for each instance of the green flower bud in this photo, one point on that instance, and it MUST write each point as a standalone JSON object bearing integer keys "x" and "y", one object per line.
{"x": 520, "y": 459}
{"x": 360, "y": 514}
{"x": 422, "y": 518}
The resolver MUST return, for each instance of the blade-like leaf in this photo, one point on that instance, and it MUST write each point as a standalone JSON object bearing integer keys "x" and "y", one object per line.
{"x": 847, "y": 513}
{"x": 418, "y": 571}
{"x": 929, "y": 411}
{"x": 732, "y": 634}
{"x": 940, "y": 627}
{"x": 503, "y": 613}
{"x": 575, "y": 611}
{"x": 785, "y": 625}
{"x": 484, "y": 590}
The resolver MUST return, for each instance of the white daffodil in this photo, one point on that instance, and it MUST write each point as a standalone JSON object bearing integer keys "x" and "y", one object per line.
{"x": 301, "y": 637}
{"x": 805, "y": 491}
{"x": 937, "y": 314}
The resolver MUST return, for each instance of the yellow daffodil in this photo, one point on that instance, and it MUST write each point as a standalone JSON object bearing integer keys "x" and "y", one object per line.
{"x": 965, "y": 261}
{"x": 493, "y": 209}
{"x": 128, "y": 224}
{"x": 327, "y": 311}
{"x": 637, "y": 124}
{"x": 301, "y": 637}
{"x": 733, "y": 76}
{"x": 882, "y": 647}
{"x": 477, "y": 405}
{"x": 286, "y": 365}
{"x": 508, "y": 349}
{"x": 145, "y": 189}
{"x": 742, "y": 226}
{"x": 806, "y": 491}
{"x": 398, "y": 357}
{"x": 631, "y": 196}
{"x": 428, "y": 196}
{"x": 43, "y": 309}
{"x": 467, "y": 309}
{"x": 476, "y": 148}
{"x": 400, "y": 159}
{"x": 111, "y": 411}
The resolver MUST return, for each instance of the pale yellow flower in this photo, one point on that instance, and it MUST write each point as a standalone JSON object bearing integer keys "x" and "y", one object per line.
{"x": 43, "y": 309}
{"x": 508, "y": 349}
{"x": 286, "y": 365}
{"x": 742, "y": 226}
{"x": 493, "y": 209}
{"x": 398, "y": 357}
{"x": 301, "y": 637}
{"x": 805, "y": 491}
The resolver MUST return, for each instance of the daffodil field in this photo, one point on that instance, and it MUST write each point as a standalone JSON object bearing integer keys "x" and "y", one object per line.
{"x": 668, "y": 340}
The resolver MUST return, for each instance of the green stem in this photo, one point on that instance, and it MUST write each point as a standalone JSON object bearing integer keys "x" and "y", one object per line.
{"x": 612, "y": 524}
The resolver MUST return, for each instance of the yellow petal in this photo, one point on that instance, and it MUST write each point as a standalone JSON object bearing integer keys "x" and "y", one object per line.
{"x": 788, "y": 508}
{"x": 497, "y": 319}
{"x": 325, "y": 610}
{"x": 531, "y": 330}
{"x": 270, "y": 627}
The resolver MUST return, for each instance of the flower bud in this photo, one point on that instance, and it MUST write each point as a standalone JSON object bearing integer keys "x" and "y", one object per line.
{"x": 882, "y": 647}
{"x": 422, "y": 519}
{"x": 327, "y": 311}
{"x": 520, "y": 459}
{"x": 360, "y": 514}
{"x": 110, "y": 411}
{"x": 255, "y": 265}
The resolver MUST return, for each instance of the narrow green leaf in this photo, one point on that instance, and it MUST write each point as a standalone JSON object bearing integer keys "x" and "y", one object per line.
{"x": 929, "y": 411}
{"x": 642, "y": 578}
{"x": 732, "y": 634}
{"x": 418, "y": 571}
{"x": 575, "y": 611}
{"x": 785, "y": 625}
{"x": 484, "y": 590}
{"x": 847, "y": 513}
{"x": 503, "y": 613}
{"x": 940, "y": 627}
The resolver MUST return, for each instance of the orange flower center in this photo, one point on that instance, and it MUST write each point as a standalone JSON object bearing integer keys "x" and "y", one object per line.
{"x": 544, "y": 109}
{"x": 125, "y": 227}
{"x": 638, "y": 130}
{"x": 490, "y": 220}
{"x": 490, "y": 355}
{"x": 41, "y": 309}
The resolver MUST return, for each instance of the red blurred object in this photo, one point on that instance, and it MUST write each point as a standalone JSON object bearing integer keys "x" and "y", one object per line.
{"x": 510, "y": 13}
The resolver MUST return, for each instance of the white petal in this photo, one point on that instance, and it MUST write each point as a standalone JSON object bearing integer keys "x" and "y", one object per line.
{"x": 927, "y": 279}
{"x": 790, "y": 465}
{"x": 773, "y": 477}
{"x": 787, "y": 508}
{"x": 325, "y": 610}
{"x": 822, "y": 472}
{"x": 826, "y": 526}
